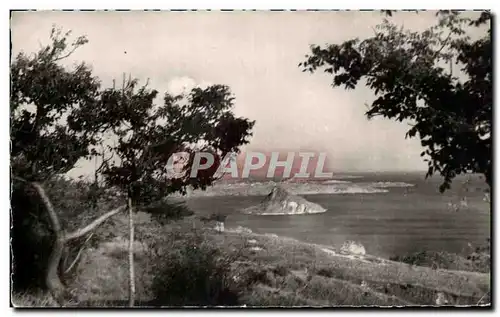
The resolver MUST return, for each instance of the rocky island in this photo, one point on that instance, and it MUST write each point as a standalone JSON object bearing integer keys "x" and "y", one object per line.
{"x": 281, "y": 202}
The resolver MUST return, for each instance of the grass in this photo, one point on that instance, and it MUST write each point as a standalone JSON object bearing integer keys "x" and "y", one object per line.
{"x": 284, "y": 272}
{"x": 33, "y": 299}
{"x": 408, "y": 283}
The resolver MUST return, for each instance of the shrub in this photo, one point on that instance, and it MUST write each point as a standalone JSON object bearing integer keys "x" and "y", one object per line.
{"x": 481, "y": 257}
{"x": 477, "y": 261}
{"x": 281, "y": 270}
{"x": 165, "y": 211}
{"x": 432, "y": 259}
{"x": 194, "y": 275}
{"x": 31, "y": 239}
{"x": 254, "y": 276}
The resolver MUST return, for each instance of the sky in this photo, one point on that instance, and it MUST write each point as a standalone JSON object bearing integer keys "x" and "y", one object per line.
{"x": 257, "y": 55}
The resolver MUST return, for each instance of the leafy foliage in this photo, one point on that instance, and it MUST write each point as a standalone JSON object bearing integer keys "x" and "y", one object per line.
{"x": 408, "y": 72}
{"x": 43, "y": 95}
{"x": 148, "y": 135}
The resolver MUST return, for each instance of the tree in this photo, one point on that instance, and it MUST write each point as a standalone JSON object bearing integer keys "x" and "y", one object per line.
{"x": 44, "y": 97}
{"x": 148, "y": 135}
{"x": 411, "y": 74}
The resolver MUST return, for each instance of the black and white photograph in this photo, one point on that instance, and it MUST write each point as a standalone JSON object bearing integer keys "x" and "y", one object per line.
{"x": 174, "y": 159}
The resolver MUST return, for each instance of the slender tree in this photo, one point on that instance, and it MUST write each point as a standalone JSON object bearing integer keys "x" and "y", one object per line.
{"x": 148, "y": 135}
{"x": 414, "y": 78}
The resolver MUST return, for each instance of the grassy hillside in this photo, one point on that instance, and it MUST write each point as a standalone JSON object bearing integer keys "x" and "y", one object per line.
{"x": 254, "y": 270}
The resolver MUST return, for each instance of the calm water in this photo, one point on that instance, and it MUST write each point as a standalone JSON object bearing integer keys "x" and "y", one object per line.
{"x": 395, "y": 222}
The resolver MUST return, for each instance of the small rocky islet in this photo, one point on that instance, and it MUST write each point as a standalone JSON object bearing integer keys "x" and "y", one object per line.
{"x": 281, "y": 202}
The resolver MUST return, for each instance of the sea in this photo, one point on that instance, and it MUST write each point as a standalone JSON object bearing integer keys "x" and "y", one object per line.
{"x": 389, "y": 213}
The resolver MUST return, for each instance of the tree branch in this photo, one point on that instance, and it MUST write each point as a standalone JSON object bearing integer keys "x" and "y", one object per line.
{"x": 50, "y": 209}
{"x": 78, "y": 254}
{"x": 81, "y": 232}
{"x": 46, "y": 201}
{"x": 444, "y": 44}
{"x": 75, "y": 47}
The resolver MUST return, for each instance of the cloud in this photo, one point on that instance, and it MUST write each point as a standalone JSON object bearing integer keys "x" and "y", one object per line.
{"x": 180, "y": 85}
{"x": 184, "y": 84}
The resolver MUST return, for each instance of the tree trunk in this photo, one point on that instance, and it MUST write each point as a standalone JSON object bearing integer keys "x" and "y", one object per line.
{"x": 63, "y": 263}
{"x": 131, "y": 254}
{"x": 53, "y": 278}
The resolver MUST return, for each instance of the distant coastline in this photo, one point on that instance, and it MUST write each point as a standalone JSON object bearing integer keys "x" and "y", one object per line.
{"x": 260, "y": 188}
